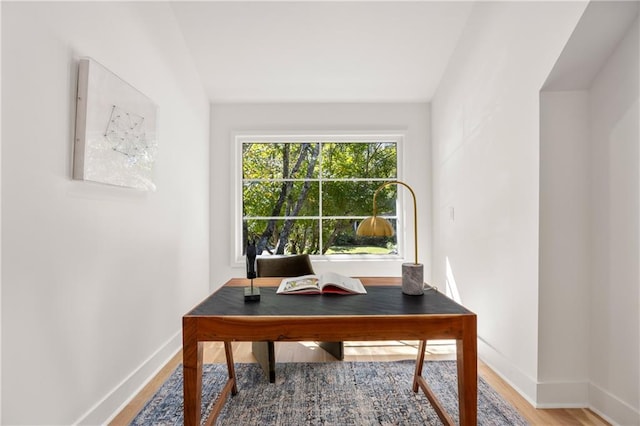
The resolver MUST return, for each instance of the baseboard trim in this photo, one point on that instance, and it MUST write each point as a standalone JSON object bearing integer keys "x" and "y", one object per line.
{"x": 107, "y": 408}
{"x": 612, "y": 408}
{"x": 516, "y": 378}
{"x": 562, "y": 395}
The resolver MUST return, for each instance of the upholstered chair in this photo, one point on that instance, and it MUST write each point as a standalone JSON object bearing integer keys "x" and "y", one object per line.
{"x": 285, "y": 266}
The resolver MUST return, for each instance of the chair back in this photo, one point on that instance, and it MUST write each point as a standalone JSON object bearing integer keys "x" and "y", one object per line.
{"x": 284, "y": 266}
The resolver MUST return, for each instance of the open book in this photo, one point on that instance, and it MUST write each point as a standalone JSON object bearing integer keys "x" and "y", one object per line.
{"x": 329, "y": 282}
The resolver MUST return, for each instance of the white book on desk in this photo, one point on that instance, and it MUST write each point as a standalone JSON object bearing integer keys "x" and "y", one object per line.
{"x": 327, "y": 283}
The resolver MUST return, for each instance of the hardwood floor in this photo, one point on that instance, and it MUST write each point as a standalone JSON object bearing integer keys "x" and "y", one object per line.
{"x": 364, "y": 351}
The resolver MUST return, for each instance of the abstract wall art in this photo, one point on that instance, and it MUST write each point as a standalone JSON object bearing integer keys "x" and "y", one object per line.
{"x": 115, "y": 138}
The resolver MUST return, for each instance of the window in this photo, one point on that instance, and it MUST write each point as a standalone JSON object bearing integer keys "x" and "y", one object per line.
{"x": 307, "y": 194}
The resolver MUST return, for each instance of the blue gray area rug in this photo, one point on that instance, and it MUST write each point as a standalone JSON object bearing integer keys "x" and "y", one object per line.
{"x": 334, "y": 393}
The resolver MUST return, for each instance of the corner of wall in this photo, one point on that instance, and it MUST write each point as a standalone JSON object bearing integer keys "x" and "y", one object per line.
{"x": 562, "y": 395}
{"x": 538, "y": 394}
{"x": 508, "y": 371}
{"x": 611, "y": 408}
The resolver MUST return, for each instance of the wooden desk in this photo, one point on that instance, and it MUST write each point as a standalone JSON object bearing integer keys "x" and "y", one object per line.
{"x": 382, "y": 314}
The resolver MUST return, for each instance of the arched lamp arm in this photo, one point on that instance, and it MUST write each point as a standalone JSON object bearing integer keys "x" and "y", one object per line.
{"x": 415, "y": 210}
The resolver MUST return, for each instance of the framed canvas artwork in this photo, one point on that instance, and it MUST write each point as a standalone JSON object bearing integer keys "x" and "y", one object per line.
{"x": 115, "y": 141}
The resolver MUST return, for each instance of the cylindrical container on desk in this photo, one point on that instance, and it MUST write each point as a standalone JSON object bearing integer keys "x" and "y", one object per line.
{"x": 413, "y": 279}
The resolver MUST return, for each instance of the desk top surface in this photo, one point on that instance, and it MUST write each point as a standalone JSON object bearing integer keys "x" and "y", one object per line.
{"x": 379, "y": 300}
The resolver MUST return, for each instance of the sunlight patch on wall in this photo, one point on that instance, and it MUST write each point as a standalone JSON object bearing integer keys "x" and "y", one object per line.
{"x": 451, "y": 287}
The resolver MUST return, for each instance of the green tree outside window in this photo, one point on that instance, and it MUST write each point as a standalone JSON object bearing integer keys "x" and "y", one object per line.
{"x": 309, "y": 196}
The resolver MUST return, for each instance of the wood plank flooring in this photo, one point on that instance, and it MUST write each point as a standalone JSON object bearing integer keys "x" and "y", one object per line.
{"x": 363, "y": 351}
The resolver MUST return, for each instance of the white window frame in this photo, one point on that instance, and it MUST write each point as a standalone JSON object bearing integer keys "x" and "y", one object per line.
{"x": 238, "y": 138}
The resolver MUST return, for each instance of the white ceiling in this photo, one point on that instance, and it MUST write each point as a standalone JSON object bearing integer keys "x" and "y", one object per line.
{"x": 321, "y": 51}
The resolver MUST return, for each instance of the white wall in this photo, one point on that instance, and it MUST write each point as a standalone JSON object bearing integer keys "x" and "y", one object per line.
{"x": 95, "y": 279}
{"x": 589, "y": 236}
{"x": 413, "y": 119}
{"x": 0, "y": 240}
{"x": 564, "y": 249}
{"x": 485, "y": 120}
{"x": 614, "y": 367}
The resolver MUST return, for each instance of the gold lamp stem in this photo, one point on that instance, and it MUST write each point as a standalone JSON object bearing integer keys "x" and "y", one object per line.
{"x": 415, "y": 210}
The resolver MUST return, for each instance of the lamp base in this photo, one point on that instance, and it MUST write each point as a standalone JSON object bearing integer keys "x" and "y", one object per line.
{"x": 413, "y": 279}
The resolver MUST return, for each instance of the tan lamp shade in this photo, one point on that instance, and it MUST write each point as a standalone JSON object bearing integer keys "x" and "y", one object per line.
{"x": 375, "y": 227}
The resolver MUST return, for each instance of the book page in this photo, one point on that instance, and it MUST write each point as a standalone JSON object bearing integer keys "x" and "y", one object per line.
{"x": 350, "y": 284}
{"x": 303, "y": 283}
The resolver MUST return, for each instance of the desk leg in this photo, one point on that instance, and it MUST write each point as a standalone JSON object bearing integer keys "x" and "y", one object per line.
{"x": 467, "y": 357}
{"x": 420, "y": 383}
{"x": 192, "y": 373}
{"x": 229, "y": 388}
{"x": 419, "y": 364}
{"x": 230, "y": 367}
